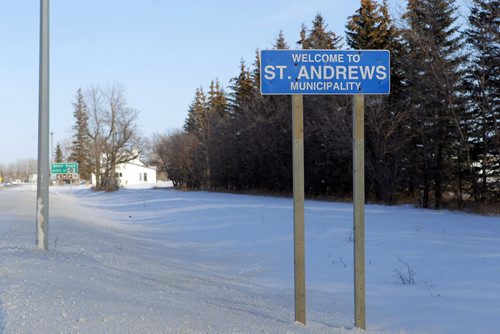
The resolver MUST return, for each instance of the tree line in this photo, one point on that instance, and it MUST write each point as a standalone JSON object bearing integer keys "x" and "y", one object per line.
{"x": 434, "y": 141}
{"x": 22, "y": 170}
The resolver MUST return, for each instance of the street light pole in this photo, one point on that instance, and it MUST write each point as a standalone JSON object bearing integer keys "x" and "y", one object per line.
{"x": 42, "y": 193}
{"x": 51, "y": 147}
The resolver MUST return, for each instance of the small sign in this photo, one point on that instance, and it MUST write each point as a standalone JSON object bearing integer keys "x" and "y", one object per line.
{"x": 325, "y": 72}
{"x": 65, "y": 168}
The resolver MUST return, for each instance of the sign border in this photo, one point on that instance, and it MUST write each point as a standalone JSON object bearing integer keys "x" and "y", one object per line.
{"x": 66, "y": 164}
{"x": 329, "y": 50}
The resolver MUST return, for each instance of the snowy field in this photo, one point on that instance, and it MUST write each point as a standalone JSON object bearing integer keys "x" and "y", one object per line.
{"x": 165, "y": 261}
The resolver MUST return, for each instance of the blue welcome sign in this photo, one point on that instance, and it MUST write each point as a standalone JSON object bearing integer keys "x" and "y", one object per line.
{"x": 318, "y": 72}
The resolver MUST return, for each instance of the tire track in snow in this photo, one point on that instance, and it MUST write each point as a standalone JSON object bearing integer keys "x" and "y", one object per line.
{"x": 1, "y": 321}
{"x": 3, "y": 229}
{"x": 7, "y": 214}
{"x": 6, "y": 223}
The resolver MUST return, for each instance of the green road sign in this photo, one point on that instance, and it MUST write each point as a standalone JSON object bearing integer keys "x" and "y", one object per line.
{"x": 65, "y": 168}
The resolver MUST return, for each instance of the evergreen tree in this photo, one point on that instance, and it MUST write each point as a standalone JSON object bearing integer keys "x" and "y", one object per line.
{"x": 433, "y": 74}
{"x": 255, "y": 74}
{"x": 243, "y": 91}
{"x": 364, "y": 28}
{"x": 482, "y": 87}
{"x": 81, "y": 141}
{"x": 217, "y": 102}
{"x": 197, "y": 119}
{"x": 199, "y": 124}
{"x": 371, "y": 27}
{"x": 59, "y": 154}
{"x": 280, "y": 43}
{"x": 319, "y": 37}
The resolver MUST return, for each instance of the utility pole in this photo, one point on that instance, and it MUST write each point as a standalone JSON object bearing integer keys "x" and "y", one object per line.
{"x": 42, "y": 193}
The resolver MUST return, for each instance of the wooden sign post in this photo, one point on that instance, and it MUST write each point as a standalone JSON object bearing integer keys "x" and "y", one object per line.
{"x": 298, "y": 208}
{"x": 327, "y": 72}
{"x": 358, "y": 176}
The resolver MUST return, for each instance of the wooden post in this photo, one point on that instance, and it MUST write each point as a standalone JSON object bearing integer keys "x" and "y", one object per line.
{"x": 359, "y": 210}
{"x": 298, "y": 208}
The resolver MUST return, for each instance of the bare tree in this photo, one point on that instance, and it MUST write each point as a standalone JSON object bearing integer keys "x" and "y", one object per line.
{"x": 122, "y": 141}
{"x": 160, "y": 152}
{"x": 95, "y": 127}
{"x": 113, "y": 133}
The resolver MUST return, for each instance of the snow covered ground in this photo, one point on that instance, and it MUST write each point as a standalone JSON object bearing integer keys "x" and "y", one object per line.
{"x": 165, "y": 261}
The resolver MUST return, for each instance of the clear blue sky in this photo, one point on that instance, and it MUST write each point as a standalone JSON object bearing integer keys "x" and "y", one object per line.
{"x": 159, "y": 50}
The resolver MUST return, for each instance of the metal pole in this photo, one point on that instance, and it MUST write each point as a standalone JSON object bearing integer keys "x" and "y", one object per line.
{"x": 359, "y": 210}
{"x": 298, "y": 208}
{"x": 42, "y": 194}
{"x": 51, "y": 147}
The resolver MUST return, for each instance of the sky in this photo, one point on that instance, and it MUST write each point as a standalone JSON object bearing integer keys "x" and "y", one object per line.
{"x": 160, "y": 51}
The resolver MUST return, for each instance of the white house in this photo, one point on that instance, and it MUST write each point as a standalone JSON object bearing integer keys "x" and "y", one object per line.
{"x": 134, "y": 172}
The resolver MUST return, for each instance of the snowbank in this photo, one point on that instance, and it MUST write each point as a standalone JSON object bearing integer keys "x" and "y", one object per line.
{"x": 164, "y": 261}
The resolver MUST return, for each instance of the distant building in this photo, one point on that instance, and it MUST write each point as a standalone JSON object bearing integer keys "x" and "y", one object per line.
{"x": 134, "y": 172}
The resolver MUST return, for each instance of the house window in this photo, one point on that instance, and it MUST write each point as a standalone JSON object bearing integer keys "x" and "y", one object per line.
{"x": 145, "y": 177}
{"x": 140, "y": 176}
